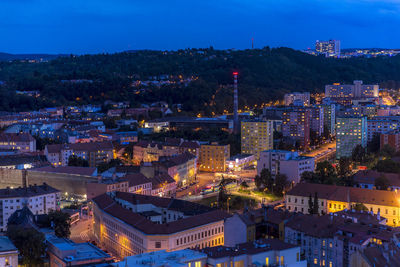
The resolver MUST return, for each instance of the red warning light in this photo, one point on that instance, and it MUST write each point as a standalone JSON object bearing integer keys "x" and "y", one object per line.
{"x": 235, "y": 73}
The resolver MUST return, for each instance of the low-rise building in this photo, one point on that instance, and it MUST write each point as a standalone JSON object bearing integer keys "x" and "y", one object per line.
{"x": 297, "y": 99}
{"x": 332, "y": 198}
{"x": 213, "y": 157}
{"x": 40, "y": 199}
{"x": 64, "y": 252}
{"x": 285, "y": 162}
{"x": 182, "y": 168}
{"x": 179, "y": 258}
{"x": 8, "y": 252}
{"x": 366, "y": 179}
{"x": 23, "y": 142}
{"x": 95, "y": 153}
{"x": 126, "y": 224}
{"x": 263, "y": 252}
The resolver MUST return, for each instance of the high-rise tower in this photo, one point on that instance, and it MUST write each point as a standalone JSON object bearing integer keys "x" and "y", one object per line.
{"x": 235, "y": 104}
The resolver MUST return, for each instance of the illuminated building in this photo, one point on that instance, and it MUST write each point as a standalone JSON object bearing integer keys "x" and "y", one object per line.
{"x": 126, "y": 224}
{"x": 22, "y": 142}
{"x": 8, "y": 252}
{"x": 334, "y": 198}
{"x": 345, "y": 93}
{"x": 213, "y": 157}
{"x": 95, "y": 153}
{"x": 296, "y": 126}
{"x": 329, "y": 118}
{"x": 381, "y": 125}
{"x": 181, "y": 167}
{"x": 297, "y": 99}
{"x": 288, "y": 163}
{"x": 329, "y": 48}
{"x": 40, "y": 199}
{"x": 391, "y": 139}
{"x": 350, "y": 132}
{"x": 256, "y": 136}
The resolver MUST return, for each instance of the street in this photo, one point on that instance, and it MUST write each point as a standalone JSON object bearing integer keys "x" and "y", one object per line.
{"x": 81, "y": 231}
{"x": 325, "y": 152}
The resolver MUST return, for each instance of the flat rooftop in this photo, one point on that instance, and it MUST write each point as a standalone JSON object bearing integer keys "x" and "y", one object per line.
{"x": 162, "y": 258}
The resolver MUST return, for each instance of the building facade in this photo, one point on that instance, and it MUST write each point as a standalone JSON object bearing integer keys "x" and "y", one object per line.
{"x": 284, "y": 162}
{"x": 95, "y": 153}
{"x": 213, "y": 157}
{"x": 22, "y": 142}
{"x": 40, "y": 199}
{"x": 128, "y": 224}
{"x": 296, "y": 126}
{"x": 391, "y": 139}
{"x": 329, "y": 48}
{"x": 333, "y": 198}
{"x": 297, "y": 99}
{"x": 350, "y": 132}
{"x": 256, "y": 136}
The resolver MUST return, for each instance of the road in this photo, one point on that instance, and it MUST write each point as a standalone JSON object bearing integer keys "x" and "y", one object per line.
{"x": 81, "y": 231}
{"x": 324, "y": 152}
{"x": 205, "y": 178}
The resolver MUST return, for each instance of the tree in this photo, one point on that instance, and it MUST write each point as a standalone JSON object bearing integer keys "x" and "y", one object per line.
{"x": 244, "y": 185}
{"x": 77, "y": 161}
{"x": 222, "y": 195}
{"x": 325, "y": 173}
{"x": 343, "y": 168}
{"x": 387, "y": 151}
{"x": 281, "y": 183}
{"x": 102, "y": 167}
{"x": 30, "y": 244}
{"x": 310, "y": 205}
{"x": 315, "y": 204}
{"x": 373, "y": 146}
{"x": 61, "y": 222}
{"x": 358, "y": 154}
{"x": 382, "y": 183}
{"x": 309, "y": 177}
{"x": 264, "y": 180}
{"x": 360, "y": 207}
{"x": 387, "y": 165}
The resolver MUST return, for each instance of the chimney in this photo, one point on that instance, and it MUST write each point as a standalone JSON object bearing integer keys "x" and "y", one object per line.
{"x": 235, "y": 104}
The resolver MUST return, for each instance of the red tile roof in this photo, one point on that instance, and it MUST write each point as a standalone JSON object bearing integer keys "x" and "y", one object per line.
{"x": 89, "y": 147}
{"x": 16, "y": 137}
{"x": 108, "y": 205}
{"x": 347, "y": 194}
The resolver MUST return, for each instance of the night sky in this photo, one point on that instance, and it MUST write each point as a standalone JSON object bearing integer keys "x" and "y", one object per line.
{"x": 93, "y": 26}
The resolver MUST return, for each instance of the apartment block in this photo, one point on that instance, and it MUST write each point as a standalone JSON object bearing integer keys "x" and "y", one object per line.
{"x": 213, "y": 157}
{"x": 296, "y": 126}
{"x": 329, "y": 48}
{"x": 382, "y": 125}
{"x": 345, "y": 93}
{"x": 95, "y": 153}
{"x": 256, "y": 136}
{"x": 40, "y": 199}
{"x": 297, "y": 99}
{"x": 350, "y": 132}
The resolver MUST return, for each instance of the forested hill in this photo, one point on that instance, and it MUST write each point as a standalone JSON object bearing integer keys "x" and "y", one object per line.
{"x": 264, "y": 74}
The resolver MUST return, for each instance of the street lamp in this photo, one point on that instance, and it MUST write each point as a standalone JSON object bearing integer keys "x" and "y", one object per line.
{"x": 227, "y": 203}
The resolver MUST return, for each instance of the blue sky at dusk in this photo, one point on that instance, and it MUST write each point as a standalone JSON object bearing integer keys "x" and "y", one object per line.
{"x": 92, "y": 26}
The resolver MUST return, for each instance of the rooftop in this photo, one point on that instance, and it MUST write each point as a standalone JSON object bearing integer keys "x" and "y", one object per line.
{"x": 28, "y": 191}
{"x": 163, "y": 258}
{"x": 251, "y": 248}
{"x": 196, "y": 215}
{"x": 6, "y": 245}
{"x": 346, "y": 194}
